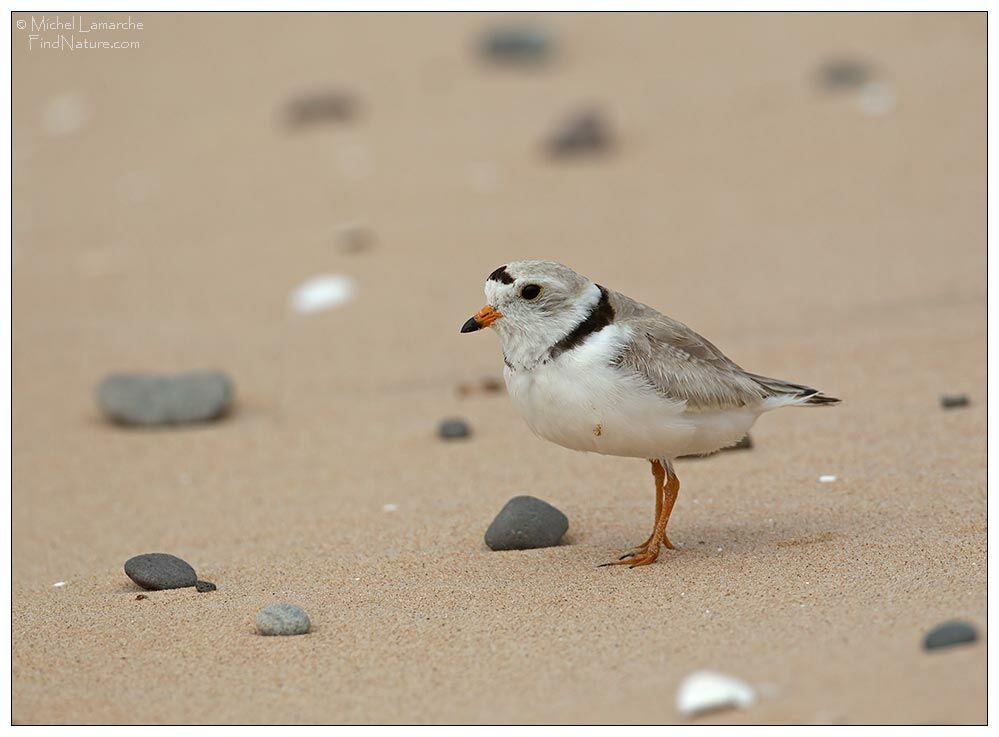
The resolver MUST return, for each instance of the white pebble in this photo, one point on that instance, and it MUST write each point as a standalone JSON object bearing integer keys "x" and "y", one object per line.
{"x": 827, "y": 479}
{"x": 705, "y": 690}
{"x": 876, "y": 98}
{"x": 65, "y": 114}
{"x": 390, "y": 507}
{"x": 59, "y": 584}
{"x": 323, "y": 293}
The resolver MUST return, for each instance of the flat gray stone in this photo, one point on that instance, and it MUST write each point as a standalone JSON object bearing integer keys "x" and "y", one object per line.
{"x": 526, "y": 522}
{"x": 157, "y": 571}
{"x": 149, "y": 399}
{"x": 954, "y": 632}
{"x": 953, "y": 401}
{"x": 283, "y": 619}
{"x": 454, "y": 428}
{"x": 205, "y": 586}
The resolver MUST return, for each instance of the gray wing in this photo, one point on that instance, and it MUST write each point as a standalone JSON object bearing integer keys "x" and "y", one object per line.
{"x": 682, "y": 365}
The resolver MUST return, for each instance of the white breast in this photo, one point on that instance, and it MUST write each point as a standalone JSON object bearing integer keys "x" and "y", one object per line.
{"x": 580, "y": 401}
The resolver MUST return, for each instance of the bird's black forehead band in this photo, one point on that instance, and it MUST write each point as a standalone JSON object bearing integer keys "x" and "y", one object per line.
{"x": 501, "y": 275}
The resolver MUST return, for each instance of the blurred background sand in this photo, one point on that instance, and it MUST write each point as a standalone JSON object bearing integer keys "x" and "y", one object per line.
{"x": 163, "y": 210}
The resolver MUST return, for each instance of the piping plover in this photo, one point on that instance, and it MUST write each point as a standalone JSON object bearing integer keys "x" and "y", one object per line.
{"x": 593, "y": 370}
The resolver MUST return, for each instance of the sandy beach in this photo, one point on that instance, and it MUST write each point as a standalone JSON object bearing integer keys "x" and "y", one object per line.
{"x": 164, "y": 209}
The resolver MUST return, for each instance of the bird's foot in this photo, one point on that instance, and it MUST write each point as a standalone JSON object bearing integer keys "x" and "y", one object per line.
{"x": 643, "y": 555}
{"x": 633, "y": 560}
{"x": 644, "y": 548}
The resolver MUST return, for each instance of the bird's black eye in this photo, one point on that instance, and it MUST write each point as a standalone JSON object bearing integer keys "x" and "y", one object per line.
{"x": 530, "y": 291}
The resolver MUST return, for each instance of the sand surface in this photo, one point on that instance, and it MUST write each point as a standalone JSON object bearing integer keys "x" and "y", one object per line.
{"x": 809, "y": 240}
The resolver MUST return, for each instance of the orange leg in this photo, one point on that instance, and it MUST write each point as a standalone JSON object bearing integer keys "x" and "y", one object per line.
{"x": 666, "y": 495}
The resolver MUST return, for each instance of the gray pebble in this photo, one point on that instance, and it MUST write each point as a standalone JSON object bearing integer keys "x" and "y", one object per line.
{"x": 453, "y": 428}
{"x": 950, "y": 633}
{"x": 517, "y": 44}
{"x": 354, "y": 238}
{"x": 331, "y": 106}
{"x": 205, "y": 586}
{"x": 526, "y": 522}
{"x": 148, "y": 399}
{"x": 952, "y": 401}
{"x": 156, "y": 571}
{"x": 582, "y": 132}
{"x": 840, "y": 74}
{"x": 283, "y": 619}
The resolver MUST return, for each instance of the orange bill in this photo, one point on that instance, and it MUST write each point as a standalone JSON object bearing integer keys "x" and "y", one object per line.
{"x": 481, "y": 319}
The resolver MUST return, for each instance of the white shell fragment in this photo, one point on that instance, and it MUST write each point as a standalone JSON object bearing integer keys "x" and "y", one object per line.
{"x": 705, "y": 690}
{"x": 323, "y": 292}
{"x": 827, "y": 478}
{"x": 390, "y": 507}
{"x": 59, "y": 584}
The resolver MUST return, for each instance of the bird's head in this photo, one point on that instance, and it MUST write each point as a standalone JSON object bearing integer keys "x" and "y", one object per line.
{"x": 537, "y": 302}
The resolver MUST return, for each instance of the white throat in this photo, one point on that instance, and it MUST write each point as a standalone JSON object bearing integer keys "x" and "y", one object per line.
{"x": 526, "y": 345}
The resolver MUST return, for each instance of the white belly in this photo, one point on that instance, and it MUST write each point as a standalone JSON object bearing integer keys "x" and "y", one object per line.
{"x": 581, "y": 402}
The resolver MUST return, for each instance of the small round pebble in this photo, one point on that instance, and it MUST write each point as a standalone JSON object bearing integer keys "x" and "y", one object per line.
{"x": 354, "y": 238}
{"x": 323, "y": 292}
{"x": 840, "y": 74}
{"x": 952, "y": 401}
{"x": 328, "y": 106}
{"x": 950, "y": 633}
{"x": 526, "y": 522}
{"x": 283, "y": 619}
{"x": 157, "y": 571}
{"x": 205, "y": 586}
{"x": 517, "y": 44}
{"x": 705, "y": 691}
{"x": 585, "y": 131}
{"x": 453, "y": 428}
{"x": 149, "y": 399}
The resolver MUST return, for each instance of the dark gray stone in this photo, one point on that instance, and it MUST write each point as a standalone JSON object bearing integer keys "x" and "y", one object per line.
{"x": 526, "y": 522}
{"x": 454, "y": 428}
{"x": 842, "y": 74}
{"x": 582, "y": 132}
{"x": 517, "y": 44}
{"x": 283, "y": 619}
{"x": 156, "y": 571}
{"x": 204, "y": 586}
{"x": 950, "y": 633}
{"x": 148, "y": 399}
{"x": 952, "y": 401}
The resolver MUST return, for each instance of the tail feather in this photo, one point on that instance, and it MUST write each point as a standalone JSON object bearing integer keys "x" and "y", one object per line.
{"x": 819, "y": 398}
{"x": 804, "y": 395}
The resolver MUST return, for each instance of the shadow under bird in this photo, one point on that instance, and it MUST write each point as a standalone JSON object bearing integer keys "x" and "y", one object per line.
{"x": 592, "y": 369}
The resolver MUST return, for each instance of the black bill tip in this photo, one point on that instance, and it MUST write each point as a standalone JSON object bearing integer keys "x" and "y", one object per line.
{"x": 470, "y": 326}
